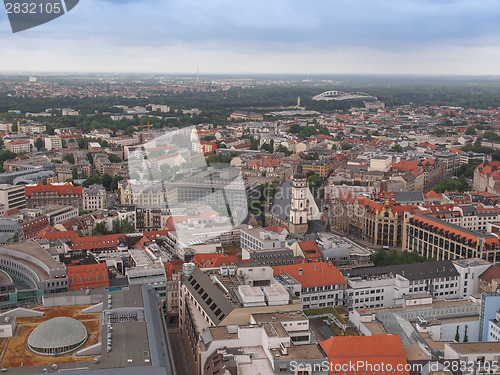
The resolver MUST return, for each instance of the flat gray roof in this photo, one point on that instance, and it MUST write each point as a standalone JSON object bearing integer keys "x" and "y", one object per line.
{"x": 33, "y": 249}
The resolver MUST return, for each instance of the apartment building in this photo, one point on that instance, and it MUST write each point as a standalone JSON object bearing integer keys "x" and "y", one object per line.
{"x": 271, "y": 343}
{"x": 317, "y": 284}
{"x": 52, "y": 142}
{"x": 380, "y": 223}
{"x": 94, "y": 198}
{"x": 226, "y": 296}
{"x": 432, "y": 237}
{"x": 58, "y": 193}
{"x": 19, "y": 146}
{"x": 408, "y": 284}
{"x": 12, "y": 196}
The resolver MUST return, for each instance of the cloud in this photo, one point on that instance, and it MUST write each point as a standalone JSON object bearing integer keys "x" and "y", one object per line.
{"x": 102, "y": 31}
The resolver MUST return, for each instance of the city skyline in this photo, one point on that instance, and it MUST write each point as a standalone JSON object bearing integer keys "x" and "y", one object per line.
{"x": 218, "y": 36}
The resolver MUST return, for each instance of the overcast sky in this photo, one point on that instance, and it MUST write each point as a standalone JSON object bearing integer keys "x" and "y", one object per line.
{"x": 262, "y": 36}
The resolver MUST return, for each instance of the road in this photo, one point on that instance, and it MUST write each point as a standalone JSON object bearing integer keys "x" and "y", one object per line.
{"x": 178, "y": 352}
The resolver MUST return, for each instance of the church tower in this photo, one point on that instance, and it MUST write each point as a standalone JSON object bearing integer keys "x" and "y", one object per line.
{"x": 298, "y": 205}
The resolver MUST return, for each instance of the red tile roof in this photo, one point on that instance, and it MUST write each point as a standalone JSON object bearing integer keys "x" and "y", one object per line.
{"x": 376, "y": 351}
{"x": 156, "y": 233}
{"x": 174, "y": 266}
{"x": 491, "y": 273}
{"x": 457, "y": 232}
{"x": 88, "y": 243}
{"x": 405, "y": 165}
{"x": 312, "y": 274}
{"x": 277, "y": 229}
{"x": 63, "y": 235}
{"x": 63, "y": 189}
{"x": 432, "y": 194}
{"x": 310, "y": 250}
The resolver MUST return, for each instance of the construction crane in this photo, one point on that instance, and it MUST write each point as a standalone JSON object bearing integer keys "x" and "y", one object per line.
{"x": 144, "y": 126}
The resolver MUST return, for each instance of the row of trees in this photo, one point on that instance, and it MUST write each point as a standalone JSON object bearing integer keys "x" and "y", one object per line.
{"x": 124, "y": 227}
{"x": 382, "y": 258}
{"x": 110, "y": 183}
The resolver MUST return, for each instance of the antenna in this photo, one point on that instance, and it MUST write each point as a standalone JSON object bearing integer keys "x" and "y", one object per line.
{"x": 197, "y": 74}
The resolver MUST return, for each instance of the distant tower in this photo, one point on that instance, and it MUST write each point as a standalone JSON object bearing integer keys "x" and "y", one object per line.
{"x": 298, "y": 205}
{"x": 298, "y": 101}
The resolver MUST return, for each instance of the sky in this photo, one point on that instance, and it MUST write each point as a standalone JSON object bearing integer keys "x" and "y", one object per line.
{"x": 430, "y": 37}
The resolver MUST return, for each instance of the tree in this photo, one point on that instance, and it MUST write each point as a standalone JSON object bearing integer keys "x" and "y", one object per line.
{"x": 101, "y": 230}
{"x": 397, "y": 148}
{"x": 114, "y": 182}
{"x": 466, "y": 338}
{"x": 284, "y": 150}
{"x": 381, "y": 258}
{"x": 39, "y": 143}
{"x": 471, "y": 130}
{"x": 440, "y": 132}
{"x": 347, "y": 146}
{"x": 267, "y": 147}
{"x": 74, "y": 174}
{"x": 82, "y": 143}
{"x": 91, "y": 181}
{"x": 114, "y": 159}
{"x": 324, "y": 130}
{"x": 459, "y": 185}
{"x": 254, "y": 145}
{"x": 491, "y": 135}
{"x": 106, "y": 181}
{"x": 307, "y": 131}
{"x": 70, "y": 158}
{"x": 313, "y": 156}
{"x": 457, "y": 335}
{"x": 314, "y": 181}
{"x": 126, "y": 227}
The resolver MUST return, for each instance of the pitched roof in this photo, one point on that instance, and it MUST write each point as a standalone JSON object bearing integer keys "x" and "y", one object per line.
{"x": 372, "y": 350}
{"x": 281, "y": 203}
{"x": 63, "y": 235}
{"x": 172, "y": 267}
{"x": 312, "y": 274}
{"x": 454, "y": 229}
{"x": 277, "y": 229}
{"x": 405, "y": 165}
{"x": 310, "y": 250}
{"x": 61, "y": 189}
{"x": 88, "y": 243}
{"x": 493, "y": 272}
{"x": 432, "y": 194}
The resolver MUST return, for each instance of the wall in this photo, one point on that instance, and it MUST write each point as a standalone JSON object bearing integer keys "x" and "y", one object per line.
{"x": 53, "y": 300}
{"x": 448, "y": 330}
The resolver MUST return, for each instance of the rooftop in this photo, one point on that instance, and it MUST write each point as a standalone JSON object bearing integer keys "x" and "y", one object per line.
{"x": 32, "y": 249}
{"x": 279, "y": 317}
{"x": 413, "y": 271}
{"x": 312, "y": 274}
{"x": 475, "y": 347}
